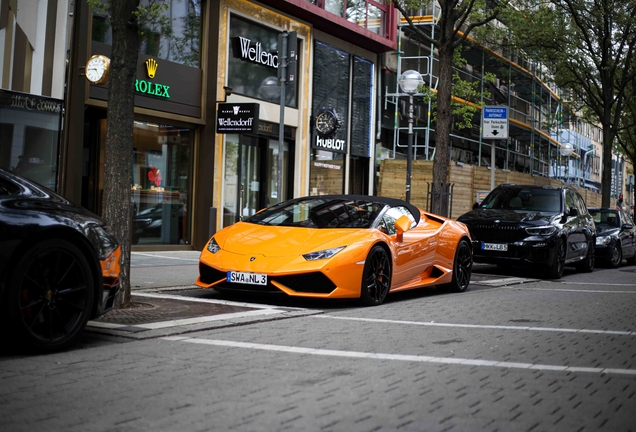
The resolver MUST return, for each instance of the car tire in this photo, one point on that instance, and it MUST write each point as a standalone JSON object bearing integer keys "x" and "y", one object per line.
{"x": 376, "y": 277}
{"x": 588, "y": 263}
{"x": 462, "y": 268}
{"x": 50, "y": 295}
{"x": 555, "y": 270}
{"x": 617, "y": 257}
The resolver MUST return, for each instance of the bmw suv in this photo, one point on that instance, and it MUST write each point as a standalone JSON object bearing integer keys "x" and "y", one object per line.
{"x": 544, "y": 227}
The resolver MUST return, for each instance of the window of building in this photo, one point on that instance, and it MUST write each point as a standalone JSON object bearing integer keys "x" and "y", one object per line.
{"x": 30, "y": 132}
{"x": 161, "y": 183}
{"x": 369, "y": 14}
{"x": 175, "y": 36}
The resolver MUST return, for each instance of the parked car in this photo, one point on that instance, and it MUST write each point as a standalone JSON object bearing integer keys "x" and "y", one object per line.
{"x": 59, "y": 265}
{"x": 615, "y": 236}
{"x": 338, "y": 246}
{"x": 543, "y": 227}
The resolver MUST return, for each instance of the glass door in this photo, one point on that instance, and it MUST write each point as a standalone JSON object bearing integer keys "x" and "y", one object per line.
{"x": 250, "y": 177}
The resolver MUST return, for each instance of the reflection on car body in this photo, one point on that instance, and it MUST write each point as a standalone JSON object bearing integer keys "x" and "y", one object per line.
{"x": 338, "y": 246}
{"x": 529, "y": 225}
{"x": 615, "y": 236}
{"x": 59, "y": 265}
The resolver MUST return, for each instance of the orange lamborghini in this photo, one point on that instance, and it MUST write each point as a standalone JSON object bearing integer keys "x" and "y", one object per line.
{"x": 338, "y": 246}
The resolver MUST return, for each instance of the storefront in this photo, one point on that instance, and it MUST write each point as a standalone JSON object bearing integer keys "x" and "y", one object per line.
{"x": 333, "y": 78}
{"x": 168, "y": 114}
{"x": 250, "y": 164}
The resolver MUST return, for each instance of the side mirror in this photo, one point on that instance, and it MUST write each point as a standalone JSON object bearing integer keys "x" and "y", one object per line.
{"x": 573, "y": 212}
{"x": 402, "y": 225}
{"x": 628, "y": 226}
{"x": 475, "y": 206}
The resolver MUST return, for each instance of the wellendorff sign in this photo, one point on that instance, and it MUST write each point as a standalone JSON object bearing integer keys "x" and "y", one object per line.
{"x": 253, "y": 52}
{"x": 237, "y": 118}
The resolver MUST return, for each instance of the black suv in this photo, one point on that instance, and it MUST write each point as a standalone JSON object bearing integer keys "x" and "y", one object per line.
{"x": 528, "y": 225}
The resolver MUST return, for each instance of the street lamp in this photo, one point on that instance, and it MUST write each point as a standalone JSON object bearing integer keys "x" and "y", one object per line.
{"x": 566, "y": 150}
{"x": 410, "y": 81}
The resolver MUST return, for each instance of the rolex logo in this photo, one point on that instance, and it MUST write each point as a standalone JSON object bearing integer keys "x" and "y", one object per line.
{"x": 151, "y": 67}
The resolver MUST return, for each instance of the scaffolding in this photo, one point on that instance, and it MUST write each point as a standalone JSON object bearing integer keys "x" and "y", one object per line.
{"x": 540, "y": 121}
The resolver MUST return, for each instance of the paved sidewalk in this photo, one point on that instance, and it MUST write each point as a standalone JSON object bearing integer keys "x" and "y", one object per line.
{"x": 167, "y": 301}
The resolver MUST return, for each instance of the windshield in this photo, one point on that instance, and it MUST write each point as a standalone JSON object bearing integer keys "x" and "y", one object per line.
{"x": 524, "y": 199}
{"x": 314, "y": 212}
{"x": 605, "y": 217}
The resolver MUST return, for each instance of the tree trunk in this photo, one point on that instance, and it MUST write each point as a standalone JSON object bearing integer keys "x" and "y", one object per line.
{"x": 443, "y": 128}
{"x": 119, "y": 133}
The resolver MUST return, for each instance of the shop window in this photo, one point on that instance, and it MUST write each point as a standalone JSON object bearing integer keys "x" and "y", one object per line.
{"x": 30, "y": 133}
{"x": 326, "y": 173}
{"x": 161, "y": 183}
{"x": 253, "y": 65}
{"x": 174, "y": 36}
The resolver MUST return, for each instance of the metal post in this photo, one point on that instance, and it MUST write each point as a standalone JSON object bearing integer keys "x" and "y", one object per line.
{"x": 493, "y": 148}
{"x": 409, "y": 151}
{"x": 282, "y": 63}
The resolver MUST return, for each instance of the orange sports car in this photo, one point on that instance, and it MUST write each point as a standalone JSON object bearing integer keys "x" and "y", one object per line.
{"x": 338, "y": 246}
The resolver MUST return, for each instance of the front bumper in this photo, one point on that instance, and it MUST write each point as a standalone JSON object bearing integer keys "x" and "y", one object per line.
{"x": 521, "y": 253}
{"x": 605, "y": 251}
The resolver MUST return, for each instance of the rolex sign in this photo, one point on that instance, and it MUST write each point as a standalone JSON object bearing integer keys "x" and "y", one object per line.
{"x": 237, "y": 118}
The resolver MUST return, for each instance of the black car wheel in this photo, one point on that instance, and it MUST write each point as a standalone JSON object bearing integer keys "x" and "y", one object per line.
{"x": 462, "y": 268}
{"x": 555, "y": 271}
{"x": 376, "y": 277}
{"x": 50, "y": 295}
{"x": 587, "y": 265}
{"x": 617, "y": 256}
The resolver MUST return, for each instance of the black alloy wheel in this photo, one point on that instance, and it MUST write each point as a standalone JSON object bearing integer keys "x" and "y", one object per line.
{"x": 555, "y": 271}
{"x": 617, "y": 256}
{"x": 588, "y": 263}
{"x": 376, "y": 277}
{"x": 462, "y": 268}
{"x": 50, "y": 295}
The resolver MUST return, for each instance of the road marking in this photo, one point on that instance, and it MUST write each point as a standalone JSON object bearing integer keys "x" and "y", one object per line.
{"x": 504, "y": 281}
{"x": 398, "y": 357}
{"x": 213, "y": 301}
{"x": 575, "y": 290}
{"x": 163, "y": 256}
{"x": 475, "y": 326}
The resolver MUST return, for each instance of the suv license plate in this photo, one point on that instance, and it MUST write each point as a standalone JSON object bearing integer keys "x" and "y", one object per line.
{"x": 247, "y": 278}
{"x": 495, "y": 246}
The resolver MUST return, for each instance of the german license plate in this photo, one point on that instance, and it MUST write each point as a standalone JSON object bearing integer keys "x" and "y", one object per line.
{"x": 247, "y": 278}
{"x": 495, "y": 246}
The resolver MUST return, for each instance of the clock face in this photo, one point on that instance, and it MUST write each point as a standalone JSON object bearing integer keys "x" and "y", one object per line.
{"x": 96, "y": 69}
{"x": 326, "y": 123}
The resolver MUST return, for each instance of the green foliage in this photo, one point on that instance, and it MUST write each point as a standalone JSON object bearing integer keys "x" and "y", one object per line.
{"x": 471, "y": 91}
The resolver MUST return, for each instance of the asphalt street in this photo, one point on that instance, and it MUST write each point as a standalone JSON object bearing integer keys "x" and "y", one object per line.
{"x": 513, "y": 353}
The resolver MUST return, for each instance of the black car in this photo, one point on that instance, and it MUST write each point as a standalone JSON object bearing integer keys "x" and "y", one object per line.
{"x": 545, "y": 227}
{"x": 615, "y": 236}
{"x": 59, "y": 265}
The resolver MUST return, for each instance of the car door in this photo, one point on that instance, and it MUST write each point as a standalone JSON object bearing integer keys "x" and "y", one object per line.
{"x": 628, "y": 235}
{"x": 574, "y": 227}
{"x": 411, "y": 254}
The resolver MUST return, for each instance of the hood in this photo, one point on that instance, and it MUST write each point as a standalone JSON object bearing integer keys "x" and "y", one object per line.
{"x": 605, "y": 231}
{"x": 276, "y": 241}
{"x": 509, "y": 216}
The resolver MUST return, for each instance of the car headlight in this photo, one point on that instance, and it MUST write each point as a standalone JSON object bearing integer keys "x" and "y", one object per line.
{"x": 104, "y": 240}
{"x": 213, "y": 246}
{"x": 323, "y": 254}
{"x": 543, "y": 231}
{"x": 603, "y": 240}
